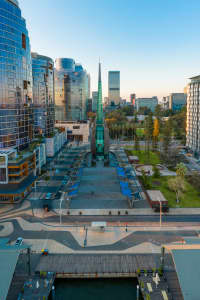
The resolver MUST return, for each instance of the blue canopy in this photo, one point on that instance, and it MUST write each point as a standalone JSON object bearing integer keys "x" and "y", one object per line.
{"x": 74, "y": 192}
{"x": 124, "y": 184}
{"x": 74, "y": 186}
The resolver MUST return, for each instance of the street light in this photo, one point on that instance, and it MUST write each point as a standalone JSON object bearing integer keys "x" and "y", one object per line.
{"x": 35, "y": 190}
{"x": 138, "y": 292}
{"x": 61, "y": 200}
{"x": 160, "y": 213}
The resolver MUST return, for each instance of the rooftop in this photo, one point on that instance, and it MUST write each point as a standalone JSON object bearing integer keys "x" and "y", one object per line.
{"x": 156, "y": 195}
{"x": 8, "y": 261}
{"x": 14, "y": 2}
{"x": 195, "y": 78}
{"x": 187, "y": 265}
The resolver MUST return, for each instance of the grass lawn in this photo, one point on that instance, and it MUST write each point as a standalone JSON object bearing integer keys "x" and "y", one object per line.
{"x": 153, "y": 158}
{"x": 190, "y": 198}
{"x": 140, "y": 132}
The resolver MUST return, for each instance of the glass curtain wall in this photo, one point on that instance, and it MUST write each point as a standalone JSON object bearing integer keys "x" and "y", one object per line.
{"x": 16, "y": 110}
{"x": 71, "y": 90}
{"x": 43, "y": 95}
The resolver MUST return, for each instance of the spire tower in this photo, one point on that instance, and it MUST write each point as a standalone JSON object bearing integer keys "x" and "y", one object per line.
{"x": 99, "y": 101}
{"x": 99, "y": 119}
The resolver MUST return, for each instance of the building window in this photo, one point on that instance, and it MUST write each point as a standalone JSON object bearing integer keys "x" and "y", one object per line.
{"x": 76, "y": 127}
{"x": 23, "y": 41}
{"x": 25, "y": 85}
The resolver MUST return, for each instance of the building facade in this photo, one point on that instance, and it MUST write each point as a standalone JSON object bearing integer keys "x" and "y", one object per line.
{"x": 94, "y": 101}
{"x": 149, "y": 103}
{"x": 165, "y": 103}
{"x": 43, "y": 95}
{"x": 16, "y": 111}
{"x": 177, "y": 101}
{"x": 132, "y": 99}
{"x": 76, "y": 131}
{"x": 71, "y": 90}
{"x": 114, "y": 87}
{"x": 193, "y": 115}
{"x": 89, "y": 105}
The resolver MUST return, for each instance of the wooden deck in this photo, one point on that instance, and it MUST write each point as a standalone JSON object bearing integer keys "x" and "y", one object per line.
{"x": 97, "y": 263}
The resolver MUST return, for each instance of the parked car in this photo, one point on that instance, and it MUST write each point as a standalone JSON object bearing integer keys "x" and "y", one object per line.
{"x": 48, "y": 196}
{"x": 45, "y": 252}
{"x": 19, "y": 241}
{"x": 46, "y": 207}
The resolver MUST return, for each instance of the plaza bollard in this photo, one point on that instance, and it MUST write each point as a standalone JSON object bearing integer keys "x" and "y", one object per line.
{"x": 138, "y": 292}
{"x": 53, "y": 293}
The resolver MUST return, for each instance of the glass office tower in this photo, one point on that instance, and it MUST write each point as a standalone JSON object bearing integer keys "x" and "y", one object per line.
{"x": 43, "y": 94}
{"x": 16, "y": 111}
{"x": 71, "y": 90}
{"x": 114, "y": 87}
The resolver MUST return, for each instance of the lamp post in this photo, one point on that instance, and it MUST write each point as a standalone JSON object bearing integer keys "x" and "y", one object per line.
{"x": 160, "y": 213}
{"x": 138, "y": 292}
{"x": 61, "y": 200}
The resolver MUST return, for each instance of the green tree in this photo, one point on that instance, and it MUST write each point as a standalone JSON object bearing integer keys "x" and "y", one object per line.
{"x": 155, "y": 134}
{"x": 166, "y": 137}
{"x": 177, "y": 185}
{"x": 158, "y": 113}
{"x": 181, "y": 170}
{"x": 136, "y": 143}
{"x": 135, "y": 118}
{"x": 148, "y": 132}
{"x": 156, "y": 172}
{"x": 145, "y": 180}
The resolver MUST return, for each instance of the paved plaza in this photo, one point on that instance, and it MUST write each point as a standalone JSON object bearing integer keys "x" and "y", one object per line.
{"x": 99, "y": 189}
{"x": 79, "y": 239}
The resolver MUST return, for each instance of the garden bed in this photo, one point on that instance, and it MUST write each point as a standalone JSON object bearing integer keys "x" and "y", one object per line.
{"x": 144, "y": 158}
{"x": 190, "y": 197}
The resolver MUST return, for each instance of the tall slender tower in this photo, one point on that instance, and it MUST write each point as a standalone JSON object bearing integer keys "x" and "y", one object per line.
{"x": 99, "y": 120}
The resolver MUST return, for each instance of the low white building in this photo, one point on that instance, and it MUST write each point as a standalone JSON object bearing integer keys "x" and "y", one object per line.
{"x": 40, "y": 155}
{"x": 76, "y": 131}
{"x": 55, "y": 143}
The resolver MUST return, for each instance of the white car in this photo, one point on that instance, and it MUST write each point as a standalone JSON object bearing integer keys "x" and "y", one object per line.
{"x": 19, "y": 241}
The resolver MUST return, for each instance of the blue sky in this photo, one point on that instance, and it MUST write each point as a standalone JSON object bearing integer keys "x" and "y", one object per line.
{"x": 154, "y": 43}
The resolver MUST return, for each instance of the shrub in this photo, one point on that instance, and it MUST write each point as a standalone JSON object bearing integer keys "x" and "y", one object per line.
{"x": 156, "y": 172}
{"x": 138, "y": 272}
{"x": 160, "y": 271}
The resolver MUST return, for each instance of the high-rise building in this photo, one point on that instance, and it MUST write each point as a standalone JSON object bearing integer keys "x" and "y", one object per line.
{"x": 94, "y": 101}
{"x": 193, "y": 115}
{"x": 165, "y": 103}
{"x": 43, "y": 94}
{"x": 16, "y": 112}
{"x": 122, "y": 102}
{"x": 89, "y": 105}
{"x": 89, "y": 85}
{"x": 149, "y": 103}
{"x": 132, "y": 99}
{"x": 71, "y": 90}
{"x": 177, "y": 101}
{"x": 114, "y": 87}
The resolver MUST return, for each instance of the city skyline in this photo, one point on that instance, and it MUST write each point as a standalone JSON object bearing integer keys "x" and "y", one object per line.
{"x": 149, "y": 43}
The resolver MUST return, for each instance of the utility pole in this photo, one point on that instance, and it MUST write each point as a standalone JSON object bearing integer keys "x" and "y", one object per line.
{"x": 160, "y": 213}
{"x": 162, "y": 258}
{"x": 29, "y": 261}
